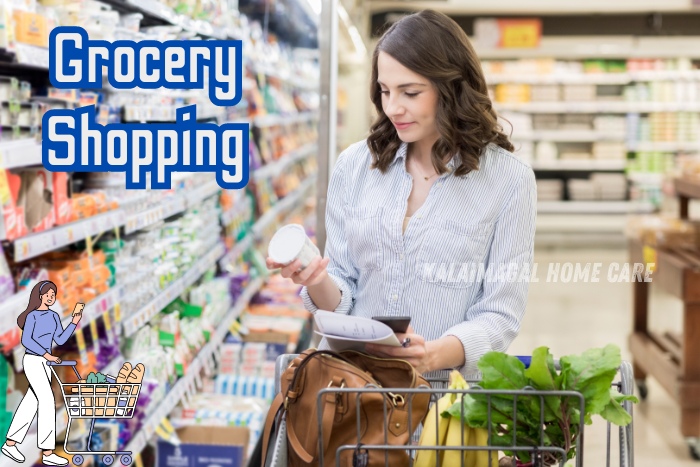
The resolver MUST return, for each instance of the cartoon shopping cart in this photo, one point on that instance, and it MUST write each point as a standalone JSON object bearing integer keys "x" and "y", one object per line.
{"x": 94, "y": 401}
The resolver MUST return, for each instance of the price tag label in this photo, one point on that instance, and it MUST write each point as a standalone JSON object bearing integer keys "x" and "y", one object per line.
{"x": 95, "y": 335}
{"x": 650, "y": 257}
{"x": 80, "y": 338}
{"x": 108, "y": 327}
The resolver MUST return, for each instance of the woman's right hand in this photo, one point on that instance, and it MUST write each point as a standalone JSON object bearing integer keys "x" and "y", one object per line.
{"x": 52, "y": 358}
{"x": 313, "y": 274}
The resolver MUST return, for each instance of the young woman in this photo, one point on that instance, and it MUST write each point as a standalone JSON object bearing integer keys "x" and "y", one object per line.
{"x": 434, "y": 189}
{"x": 40, "y": 326}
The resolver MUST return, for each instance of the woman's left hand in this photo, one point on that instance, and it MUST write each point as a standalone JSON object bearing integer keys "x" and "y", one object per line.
{"x": 417, "y": 353}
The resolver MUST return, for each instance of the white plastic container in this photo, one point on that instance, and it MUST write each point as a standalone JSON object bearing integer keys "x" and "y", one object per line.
{"x": 291, "y": 243}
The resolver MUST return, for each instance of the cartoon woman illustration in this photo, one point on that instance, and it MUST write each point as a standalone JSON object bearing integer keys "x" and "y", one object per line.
{"x": 41, "y": 327}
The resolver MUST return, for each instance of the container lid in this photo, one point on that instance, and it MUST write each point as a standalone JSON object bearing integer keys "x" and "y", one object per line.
{"x": 287, "y": 243}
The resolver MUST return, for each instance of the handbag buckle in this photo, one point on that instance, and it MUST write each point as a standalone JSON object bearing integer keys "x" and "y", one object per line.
{"x": 397, "y": 399}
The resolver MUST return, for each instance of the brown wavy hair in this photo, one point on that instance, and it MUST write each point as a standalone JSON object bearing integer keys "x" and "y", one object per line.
{"x": 434, "y": 46}
{"x": 35, "y": 300}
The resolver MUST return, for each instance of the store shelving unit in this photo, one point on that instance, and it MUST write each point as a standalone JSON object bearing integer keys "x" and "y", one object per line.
{"x": 569, "y": 136}
{"x": 598, "y": 107}
{"x": 593, "y": 207}
{"x": 275, "y": 168}
{"x": 580, "y": 165}
{"x": 21, "y": 153}
{"x": 137, "y": 320}
{"x": 186, "y": 383}
{"x": 265, "y": 121}
{"x": 35, "y": 244}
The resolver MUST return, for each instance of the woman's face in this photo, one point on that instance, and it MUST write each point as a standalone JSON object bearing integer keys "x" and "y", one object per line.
{"x": 408, "y": 99}
{"x": 48, "y": 298}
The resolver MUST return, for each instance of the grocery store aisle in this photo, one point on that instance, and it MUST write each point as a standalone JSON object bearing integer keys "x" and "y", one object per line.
{"x": 573, "y": 317}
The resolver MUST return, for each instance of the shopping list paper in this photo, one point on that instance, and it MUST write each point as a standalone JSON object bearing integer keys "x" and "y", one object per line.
{"x": 343, "y": 332}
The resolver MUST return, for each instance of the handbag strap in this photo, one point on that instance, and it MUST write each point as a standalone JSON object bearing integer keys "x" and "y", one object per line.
{"x": 329, "y": 409}
{"x": 317, "y": 353}
{"x": 269, "y": 421}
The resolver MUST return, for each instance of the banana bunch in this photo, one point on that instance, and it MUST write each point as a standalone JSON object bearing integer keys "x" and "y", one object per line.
{"x": 441, "y": 431}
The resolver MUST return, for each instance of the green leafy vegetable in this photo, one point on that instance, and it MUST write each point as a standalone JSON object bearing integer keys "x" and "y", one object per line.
{"x": 544, "y": 420}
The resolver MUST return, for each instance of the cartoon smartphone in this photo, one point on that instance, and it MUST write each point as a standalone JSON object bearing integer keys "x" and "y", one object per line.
{"x": 78, "y": 308}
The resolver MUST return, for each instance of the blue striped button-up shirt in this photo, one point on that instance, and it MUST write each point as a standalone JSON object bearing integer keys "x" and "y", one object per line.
{"x": 447, "y": 271}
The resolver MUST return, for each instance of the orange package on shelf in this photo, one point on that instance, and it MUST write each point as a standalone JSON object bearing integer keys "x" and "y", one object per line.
{"x": 80, "y": 278}
{"x": 83, "y": 206}
{"x": 99, "y": 276}
{"x": 98, "y": 257}
{"x": 100, "y": 203}
{"x": 62, "y": 205}
{"x": 59, "y": 274}
{"x": 13, "y": 214}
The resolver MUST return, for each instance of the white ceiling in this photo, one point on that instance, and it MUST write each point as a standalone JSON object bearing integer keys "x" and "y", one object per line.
{"x": 515, "y": 7}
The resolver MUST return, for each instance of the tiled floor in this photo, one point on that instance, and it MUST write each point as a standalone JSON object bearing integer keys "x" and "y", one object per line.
{"x": 573, "y": 317}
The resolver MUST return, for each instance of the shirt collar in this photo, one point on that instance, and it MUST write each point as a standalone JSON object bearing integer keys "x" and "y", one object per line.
{"x": 401, "y": 157}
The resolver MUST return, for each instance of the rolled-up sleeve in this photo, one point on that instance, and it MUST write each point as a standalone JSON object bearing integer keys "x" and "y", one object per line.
{"x": 340, "y": 268}
{"x": 493, "y": 321}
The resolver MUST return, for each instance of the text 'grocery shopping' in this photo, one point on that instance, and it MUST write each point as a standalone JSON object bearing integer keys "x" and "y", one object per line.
{"x": 148, "y": 153}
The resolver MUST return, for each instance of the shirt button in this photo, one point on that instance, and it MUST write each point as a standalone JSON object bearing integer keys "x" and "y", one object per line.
{"x": 419, "y": 216}
{"x": 395, "y": 297}
{"x": 401, "y": 256}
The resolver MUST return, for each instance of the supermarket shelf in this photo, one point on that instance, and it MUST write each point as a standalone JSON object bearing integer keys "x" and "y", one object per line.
{"x": 273, "y": 120}
{"x": 283, "y": 206}
{"x": 160, "y": 12}
{"x": 169, "y": 207}
{"x": 229, "y": 216}
{"x": 20, "y": 153}
{"x": 272, "y": 72}
{"x": 581, "y": 165}
{"x": 35, "y": 244}
{"x": 39, "y": 243}
{"x": 642, "y": 178}
{"x": 664, "y": 146}
{"x": 134, "y": 322}
{"x": 184, "y": 385}
{"x": 97, "y": 307}
{"x": 238, "y": 249}
{"x": 10, "y": 310}
{"x": 569, "y": 136}
{"x": 587, "y": 47}
{"x": 580, "y": 223}
{"x": 274, "y": 169}
{"x": 201, "y": 193}
{"x": 594, "y": 207}
{"x": 595, "y": 78}
{"x": 598, "y": 107}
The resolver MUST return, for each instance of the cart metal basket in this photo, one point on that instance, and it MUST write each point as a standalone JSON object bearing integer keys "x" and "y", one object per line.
{"x": 94, "y": 401}
{"x": 539, "y": 452}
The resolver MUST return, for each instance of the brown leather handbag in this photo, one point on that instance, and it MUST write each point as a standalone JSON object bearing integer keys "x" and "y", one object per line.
{"x": 314, "y": 371}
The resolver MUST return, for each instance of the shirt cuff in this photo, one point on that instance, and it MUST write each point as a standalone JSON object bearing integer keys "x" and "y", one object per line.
{"x": 346, "y": 298}
{"x": 475, "y": 341}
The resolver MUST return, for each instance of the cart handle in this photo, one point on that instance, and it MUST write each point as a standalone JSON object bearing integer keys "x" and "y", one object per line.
{"x": 63, "y": 363}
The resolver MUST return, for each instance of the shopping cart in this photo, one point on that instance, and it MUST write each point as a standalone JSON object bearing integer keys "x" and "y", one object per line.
{"x": 541, "y": 453}
{"x": 93, "y": 401}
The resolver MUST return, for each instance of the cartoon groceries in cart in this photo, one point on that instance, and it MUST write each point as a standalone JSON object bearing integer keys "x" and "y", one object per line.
{"x": 97, "y": 397}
